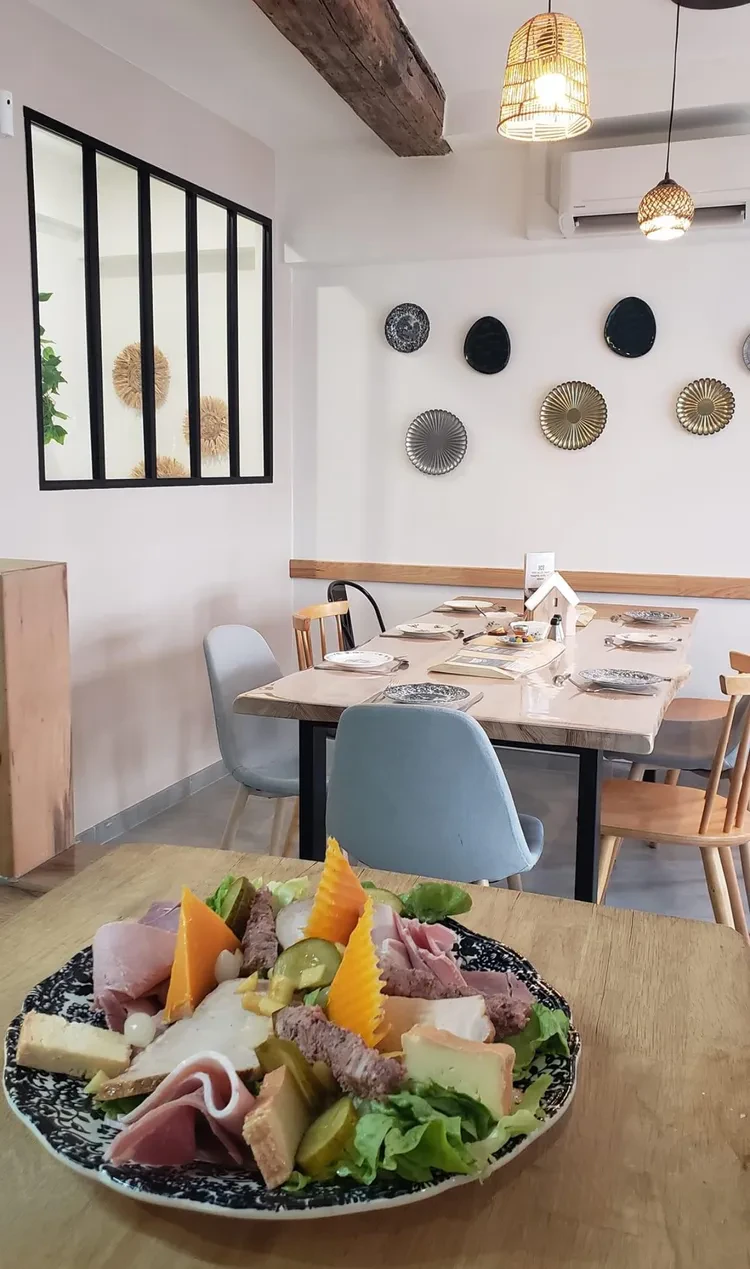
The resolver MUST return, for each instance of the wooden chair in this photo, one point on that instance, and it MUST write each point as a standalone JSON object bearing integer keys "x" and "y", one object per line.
{"x": 302, "y": 625}
{"x": 688, "y": 817}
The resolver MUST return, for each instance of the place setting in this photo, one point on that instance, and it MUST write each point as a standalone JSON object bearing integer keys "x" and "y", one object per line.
{"x": 425, "y": 630}
{"x": 653, "y": 617}
{"x": 362, "y": 661}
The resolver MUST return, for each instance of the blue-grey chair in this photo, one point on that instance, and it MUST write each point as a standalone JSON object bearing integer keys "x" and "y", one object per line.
{"x": 419, "y": 788}
{"x": 260, "y": 753}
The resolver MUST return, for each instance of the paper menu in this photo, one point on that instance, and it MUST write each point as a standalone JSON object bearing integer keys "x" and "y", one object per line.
{"x": 537, "y": 567}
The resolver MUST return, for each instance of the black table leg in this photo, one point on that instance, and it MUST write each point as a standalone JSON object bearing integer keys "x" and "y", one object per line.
{"x": 587, "y": 831}
{"x": 312, "y": 790}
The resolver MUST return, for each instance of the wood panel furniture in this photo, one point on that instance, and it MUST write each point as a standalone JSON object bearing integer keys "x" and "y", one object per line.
{"x": 649, "y": 1168}
{"x": 586, "y": 583}
{"x": 36, "y": 800}
{"x": 531, "y": 713}
{"x": 302, "y": 623}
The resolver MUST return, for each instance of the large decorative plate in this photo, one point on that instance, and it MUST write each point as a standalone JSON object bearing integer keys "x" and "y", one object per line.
{"x": 56, "y": 1110}
{"x": 573, "y": 415}
{"x": 426, "y": 693}
{"x": 436, "y": 442}
{"x": 487, "y": 346}
{"x": 620, "y": 680}
{"x": 705, "y": 406}
{"x": 746, "y": 352}
{"x": 653, "y": 616}
{"x": 407, "y": 327}
{"x": 630, "y": 329}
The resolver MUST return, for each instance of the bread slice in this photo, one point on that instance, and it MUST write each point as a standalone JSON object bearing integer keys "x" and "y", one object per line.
{"x": 48, "y": 1042}
{"x": 275, "y": 1126}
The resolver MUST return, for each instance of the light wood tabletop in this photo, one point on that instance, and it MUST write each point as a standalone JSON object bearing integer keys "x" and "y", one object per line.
{"x": 531, "y": 710}
{"x": 649, "y": 1169}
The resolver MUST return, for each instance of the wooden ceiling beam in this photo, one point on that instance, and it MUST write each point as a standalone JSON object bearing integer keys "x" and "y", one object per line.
{"x": 364, "y": 51}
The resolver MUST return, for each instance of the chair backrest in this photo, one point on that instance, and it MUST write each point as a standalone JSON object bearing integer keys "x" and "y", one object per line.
{"x": 302, "y": 625}
{"x": 737, "y": 688}
{"x": 336, "y": 592}
{"x": 420, "y": 789}
{"x": 238, "y": 659}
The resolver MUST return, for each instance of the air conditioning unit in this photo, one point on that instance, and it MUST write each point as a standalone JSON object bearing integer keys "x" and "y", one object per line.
{"x": 599, "y": 190}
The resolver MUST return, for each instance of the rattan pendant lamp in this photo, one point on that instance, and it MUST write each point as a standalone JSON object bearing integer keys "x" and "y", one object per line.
{"x": 667, "y": 211}
{"x": 546, "y": 86}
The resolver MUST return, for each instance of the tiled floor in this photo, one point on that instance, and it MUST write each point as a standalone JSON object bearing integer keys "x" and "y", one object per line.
{"x": 668, "y": 880}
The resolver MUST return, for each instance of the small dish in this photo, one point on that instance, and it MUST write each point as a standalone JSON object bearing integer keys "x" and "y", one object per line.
{"x": 537, "y": 629}
{"x": 426, "y": 693}
{"x": 469, "y": 605}
{"x": 519, "y": 639}
{"x": 357, "y": 660}
{"x": 653, "y": 616}
{"x": 620, "y": 680}
{"x": 426, "y": 629}
{"x": 646, "y": 639}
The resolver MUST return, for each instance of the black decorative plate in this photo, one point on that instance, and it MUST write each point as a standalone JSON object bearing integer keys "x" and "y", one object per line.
{"x": 487, "y": 346}
{"x": 57, "y": 1111}
{"x": 407, "y": 327}
{"x": 630, "y": 329}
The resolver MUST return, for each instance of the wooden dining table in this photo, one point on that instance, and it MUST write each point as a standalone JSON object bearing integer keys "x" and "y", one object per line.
{"x": 648, "y": 1169}
{"x": 532, "y": 713}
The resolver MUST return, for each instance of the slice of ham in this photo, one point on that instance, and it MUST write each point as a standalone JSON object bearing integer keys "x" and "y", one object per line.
{"x": 131, "y": 960}
{"x": 490, "y": 982}
{"x": 421, "y": 946}
{"x": 195, "y": 1115}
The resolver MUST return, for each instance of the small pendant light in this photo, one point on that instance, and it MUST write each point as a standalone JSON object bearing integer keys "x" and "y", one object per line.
{"x": 546, "y": 88}
{"x": 667, "y": 210}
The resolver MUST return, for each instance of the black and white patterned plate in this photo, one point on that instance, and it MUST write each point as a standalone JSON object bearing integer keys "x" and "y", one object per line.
{"x": 58, "y": 1112}
{"x": 407, "y": 327}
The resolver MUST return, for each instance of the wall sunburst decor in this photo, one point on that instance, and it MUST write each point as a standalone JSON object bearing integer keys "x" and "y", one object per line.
{"x": 705, "y": 406}
{"x": 126, "y": 376}
{"x": 573, "y": 415}
{"x": 436, "y": 442}
{"x": 214, "y": 415}
{"x": 166, "y": 468}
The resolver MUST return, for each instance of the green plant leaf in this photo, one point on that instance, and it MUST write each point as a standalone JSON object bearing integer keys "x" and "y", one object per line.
{"x": 44, "y": 296}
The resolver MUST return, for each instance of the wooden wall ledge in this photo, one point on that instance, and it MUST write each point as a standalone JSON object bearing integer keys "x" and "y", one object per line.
{"x": 512, "y": 579}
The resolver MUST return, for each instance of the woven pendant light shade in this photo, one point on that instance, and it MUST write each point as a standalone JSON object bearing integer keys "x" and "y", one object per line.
{"x": 666, "y": 211}
{"x": 546, "y": 87}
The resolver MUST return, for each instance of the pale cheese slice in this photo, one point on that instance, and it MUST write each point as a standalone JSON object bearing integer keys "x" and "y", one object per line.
{"x": 482, "y": 1071}
{"x": 464, "y": 1016}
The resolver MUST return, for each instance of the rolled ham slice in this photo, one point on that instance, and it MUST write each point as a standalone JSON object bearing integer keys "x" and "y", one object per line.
{"x": 130, "y": 962}
{"x": 195, "y": 1115}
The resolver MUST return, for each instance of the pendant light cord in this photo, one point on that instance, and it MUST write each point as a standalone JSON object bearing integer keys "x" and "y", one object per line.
{"x": 674, "y": 86}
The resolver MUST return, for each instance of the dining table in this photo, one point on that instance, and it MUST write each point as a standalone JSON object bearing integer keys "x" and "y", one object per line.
{"x": 545, "y": 710}
{"x": 648, "y": 1168}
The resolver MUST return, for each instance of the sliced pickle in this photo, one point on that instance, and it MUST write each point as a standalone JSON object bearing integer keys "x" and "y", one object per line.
{"x": 386, "y": 896}
{"x": 309, "y": 964}
{"x": 238, "y": 901}
{"x": 275, "y": 1052}
{"x": 324, "y": 1076}
{"x": 327, "y": 1137}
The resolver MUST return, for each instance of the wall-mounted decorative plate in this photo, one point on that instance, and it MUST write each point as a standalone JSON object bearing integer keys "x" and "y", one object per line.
{"x": 487, "y": 346}
{"x": 746, "y": 352}
{"x": 407, "y": 327}
{"x": 630, "y": 329}
{"x": 705, "y": 406}
{"x": 436, "y": 442}
{"x": 573, "y": 415}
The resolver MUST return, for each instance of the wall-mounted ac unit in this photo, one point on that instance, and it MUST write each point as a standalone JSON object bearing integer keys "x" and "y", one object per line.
{"x": 600, "y": 189}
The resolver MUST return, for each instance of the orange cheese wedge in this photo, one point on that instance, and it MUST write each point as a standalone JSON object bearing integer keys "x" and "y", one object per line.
{"x": 355, "y": 997}
{"x": 339, "y": 899}
{"x": 201, "y": 935}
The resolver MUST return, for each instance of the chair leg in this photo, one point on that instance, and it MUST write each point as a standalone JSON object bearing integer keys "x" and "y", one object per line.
{"x": 717, "y": 886}
{"x": 277, "y": 828}
{"x": 235, "y": 815}
{"x": 733, "y": 886}
{"x": 745, "y": 857}
{"x": 291, "y": 831}
{"x": 608, "y": 849}
{"x": 514, "y": 882}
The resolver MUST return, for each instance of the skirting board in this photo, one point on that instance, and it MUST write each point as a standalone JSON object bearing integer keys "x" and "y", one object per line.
{"x": 132, "y": 816}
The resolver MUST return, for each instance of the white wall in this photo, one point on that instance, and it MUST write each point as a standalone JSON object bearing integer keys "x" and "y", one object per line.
{"x": 150, "y": 571}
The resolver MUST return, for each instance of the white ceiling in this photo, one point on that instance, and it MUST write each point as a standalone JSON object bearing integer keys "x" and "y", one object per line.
{"x": 226, "y": 55}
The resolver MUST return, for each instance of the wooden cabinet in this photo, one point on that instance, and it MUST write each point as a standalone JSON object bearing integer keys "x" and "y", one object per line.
{"x": 36, "y": 802}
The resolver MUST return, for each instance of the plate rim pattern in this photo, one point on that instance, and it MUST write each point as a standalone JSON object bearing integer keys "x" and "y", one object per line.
{"x": 431, "y": 422}
{"x": 570, "y": 395}
{"x": 705, "y": 425}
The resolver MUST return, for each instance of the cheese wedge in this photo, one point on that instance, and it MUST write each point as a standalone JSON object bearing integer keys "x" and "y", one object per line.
{"x": 201, "y": 935}
{"x": 482, "y": 1071}
{"x": 466, "y": 1016}
{"x": 274, "y": 1127}
{"x": 51, "y": 1043}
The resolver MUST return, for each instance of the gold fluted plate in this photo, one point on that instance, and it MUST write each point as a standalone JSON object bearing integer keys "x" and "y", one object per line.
{"x": 573, "y": 415}
{"x": 705, "y": 406}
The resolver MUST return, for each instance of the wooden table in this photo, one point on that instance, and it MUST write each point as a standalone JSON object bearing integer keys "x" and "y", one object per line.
{"x": 649, "y": 1169}
{"x": 530, "y": 713}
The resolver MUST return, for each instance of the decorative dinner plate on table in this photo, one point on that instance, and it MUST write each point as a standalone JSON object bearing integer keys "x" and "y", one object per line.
{"x": 647, "y": 639}
{"x": 620, "y": 680}
{"x": 426, "y": 630}
{"x": 426, "y": 694}
{"x": 56, "y": 1109}
{"x": 356, "y": 660}
{"x": 407, "y": 327}
{"x": 469, "y": 605}
{"x": 653, "y": 616}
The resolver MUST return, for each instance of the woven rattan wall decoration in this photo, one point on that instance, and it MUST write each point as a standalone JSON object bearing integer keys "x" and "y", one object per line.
{"x": 166, "y": 468}
{"x": 214, "y": 415}
{"x": 126, "y": 376}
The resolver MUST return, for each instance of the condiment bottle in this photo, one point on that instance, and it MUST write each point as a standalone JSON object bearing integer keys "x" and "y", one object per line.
{"x": 556, "y": 633}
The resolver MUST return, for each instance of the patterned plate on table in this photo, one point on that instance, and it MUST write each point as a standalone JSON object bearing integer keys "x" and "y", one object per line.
{"x": 620, "y": 680}
{"x": 426, "y": 693}
{"x": 653, "y": 616}
{"x": 58, "y": 1112}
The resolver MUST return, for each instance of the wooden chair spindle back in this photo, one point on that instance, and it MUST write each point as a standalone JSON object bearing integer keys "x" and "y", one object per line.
{"x": 302, "y": 625}
{"x": 734, "y": 686}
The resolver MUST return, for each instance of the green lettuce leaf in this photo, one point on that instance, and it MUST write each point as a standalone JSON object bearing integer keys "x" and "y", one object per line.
{"x": 215, "y": 900}
{"x": 476, "y": 1119}
{"x": 546, "y": 1032}
{"x": 297, "y": 1181}
{"x": 285, "y": 892}
{"x": 524, "y": 1120}
{"x": 118, "y": 1107}
{"x": 435, "y": 900}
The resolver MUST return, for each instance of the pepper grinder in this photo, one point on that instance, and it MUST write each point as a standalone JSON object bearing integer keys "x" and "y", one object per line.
{"x": 556, "y": 632}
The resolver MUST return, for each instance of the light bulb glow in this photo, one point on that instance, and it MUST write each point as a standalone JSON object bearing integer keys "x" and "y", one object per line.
{"x": 551, "y": 92}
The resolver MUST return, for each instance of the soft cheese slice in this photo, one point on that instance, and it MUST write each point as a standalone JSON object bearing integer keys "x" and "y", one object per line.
{"x": 275, "y": 1126}
{"x": 483, "y": 1071}
{"x": 201, "y": 935}
{"x": 219, "y": 1023}
{"x": 465, "y": 1016}
{"x": 51, "y": 1043}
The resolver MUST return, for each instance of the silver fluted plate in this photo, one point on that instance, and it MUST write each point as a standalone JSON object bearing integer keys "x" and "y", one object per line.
{"x": 746, "y": 352}
{"x": 705, "y": 406}
{"x": 436, "y": 442}
{"x": 573, "y": 415}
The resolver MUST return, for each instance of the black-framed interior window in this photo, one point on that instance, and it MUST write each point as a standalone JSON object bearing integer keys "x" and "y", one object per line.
{"x": 152, "y": 301}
